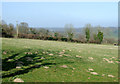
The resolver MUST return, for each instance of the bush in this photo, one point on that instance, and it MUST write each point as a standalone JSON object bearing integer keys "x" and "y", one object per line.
{"x": 94, "y": 41}
{"x": 75, "y": 40}
{"x": 22, "y": 35}
{"x": 37, "y": 36}
{"x": 31, "y": 36}
{"x": 109, "y": 40}
{"x": 55, "y": 38}
{"x": 64, "y": 39}
{"x": 50, "y": 38}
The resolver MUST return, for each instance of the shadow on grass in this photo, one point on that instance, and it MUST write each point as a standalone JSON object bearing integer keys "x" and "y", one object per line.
{"x": 8, "y": 66}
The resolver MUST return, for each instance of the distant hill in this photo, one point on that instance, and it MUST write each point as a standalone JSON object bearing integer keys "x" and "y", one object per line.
{"x": 111, "y": 32}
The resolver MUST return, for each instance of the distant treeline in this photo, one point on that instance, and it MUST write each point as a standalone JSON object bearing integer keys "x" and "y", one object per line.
{"x": 22, "y": 30}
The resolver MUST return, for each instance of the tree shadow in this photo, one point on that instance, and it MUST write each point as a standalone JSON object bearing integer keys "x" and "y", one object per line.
{"x": 6, "y": 65}
{"x": 19, "y": 72}
{"x": 26, "y": 60}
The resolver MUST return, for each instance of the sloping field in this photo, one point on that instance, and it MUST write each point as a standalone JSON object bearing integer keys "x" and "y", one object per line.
{"x": 52, "y": 61}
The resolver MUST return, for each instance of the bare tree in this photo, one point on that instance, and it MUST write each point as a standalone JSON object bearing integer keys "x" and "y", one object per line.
{"x": 23, "y": 28}
{"x": 70, "y": 31}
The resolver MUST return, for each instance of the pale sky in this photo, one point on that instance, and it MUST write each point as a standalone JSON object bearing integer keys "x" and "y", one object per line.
{"x": 57, "y": 14}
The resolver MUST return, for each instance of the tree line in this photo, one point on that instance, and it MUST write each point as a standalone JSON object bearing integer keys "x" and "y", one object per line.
{"x": 24, "y": 31}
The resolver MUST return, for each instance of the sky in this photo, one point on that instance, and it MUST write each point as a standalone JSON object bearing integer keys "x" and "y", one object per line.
{"x": 57, "y": 14}
{"x": 60, "y": 0}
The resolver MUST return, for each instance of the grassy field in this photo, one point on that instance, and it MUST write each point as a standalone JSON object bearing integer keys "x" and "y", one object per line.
{"x": 52, "y": 61}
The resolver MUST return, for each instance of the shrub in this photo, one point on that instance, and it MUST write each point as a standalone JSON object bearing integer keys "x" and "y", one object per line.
{"x": 75, "y": 40}
{"x": 50, "y": 38}
{"x": 55, "y": 38}
{"x": 20, "y": 35}
{"x": 37, "y": 36}
{"x": 94, "y": 41}
{"x": 64, "y": 39}
{"x": 31, "y": 36}
{"x": 109, "y": 40}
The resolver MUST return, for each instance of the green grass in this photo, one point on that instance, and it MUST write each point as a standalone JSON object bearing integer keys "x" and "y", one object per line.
{"x": 77, "y": 68}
